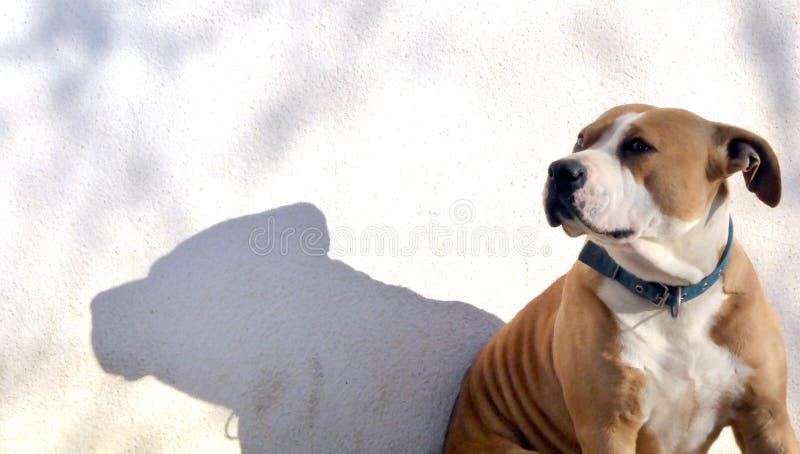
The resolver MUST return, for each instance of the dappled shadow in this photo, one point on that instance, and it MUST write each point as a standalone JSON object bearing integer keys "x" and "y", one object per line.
{"x": 5, "y": 127}
{"x": 80, "y": 53}
{"x": 80, "y": 35}
{"x": 765, "y": 31}
{"x": 310, "y": 354}
{"x": 319, "y": 85}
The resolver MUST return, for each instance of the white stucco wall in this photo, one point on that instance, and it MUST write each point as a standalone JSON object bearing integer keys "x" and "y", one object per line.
{"x": 150, "y": 150}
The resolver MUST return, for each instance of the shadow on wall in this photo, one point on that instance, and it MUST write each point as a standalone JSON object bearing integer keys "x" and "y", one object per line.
{"x": 310, "y": 354}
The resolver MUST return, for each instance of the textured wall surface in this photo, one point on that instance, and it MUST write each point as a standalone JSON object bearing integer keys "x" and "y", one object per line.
{"x": 288, "y": 226}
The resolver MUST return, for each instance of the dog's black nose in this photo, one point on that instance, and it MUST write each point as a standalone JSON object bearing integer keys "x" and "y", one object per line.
{"x": 567, "y": 175}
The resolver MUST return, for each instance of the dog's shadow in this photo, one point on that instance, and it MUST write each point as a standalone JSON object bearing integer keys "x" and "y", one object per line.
{"x": 310, "y": 354}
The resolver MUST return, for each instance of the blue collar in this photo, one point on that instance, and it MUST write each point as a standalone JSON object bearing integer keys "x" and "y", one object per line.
{"x": 655, "y": 292}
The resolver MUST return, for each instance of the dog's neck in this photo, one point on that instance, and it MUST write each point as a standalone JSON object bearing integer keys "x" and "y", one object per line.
{"x": 681, "y": 260}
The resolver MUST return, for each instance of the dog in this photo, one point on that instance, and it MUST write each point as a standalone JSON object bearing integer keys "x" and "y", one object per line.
{"x": 660, "y": 335}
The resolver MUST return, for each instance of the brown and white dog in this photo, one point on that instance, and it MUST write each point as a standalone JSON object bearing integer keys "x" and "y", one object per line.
{"x": 588, "y": 365}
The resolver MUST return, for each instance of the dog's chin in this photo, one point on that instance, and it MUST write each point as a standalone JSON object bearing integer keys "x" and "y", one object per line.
{"x": 577, "y": 225}
{"x": 616, "y": 236}
{"x": 574, "y": 228}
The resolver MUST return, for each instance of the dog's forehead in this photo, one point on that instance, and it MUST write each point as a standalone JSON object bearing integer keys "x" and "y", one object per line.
{"x": 593, "y": 131}
{"x": 656, "y": 124}
{"x": 673, "y": 124}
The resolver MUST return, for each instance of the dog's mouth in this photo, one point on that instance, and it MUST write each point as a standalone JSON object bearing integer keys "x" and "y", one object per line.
{"x": 564, "y": 212}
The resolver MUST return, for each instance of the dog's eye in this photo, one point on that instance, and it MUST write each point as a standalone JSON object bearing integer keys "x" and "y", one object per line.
{"x": 635, "y": 145}
{"x": 579, "y": 142}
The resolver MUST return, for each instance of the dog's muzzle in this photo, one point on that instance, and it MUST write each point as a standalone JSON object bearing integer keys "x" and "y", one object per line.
{"x": 564, "y": 177}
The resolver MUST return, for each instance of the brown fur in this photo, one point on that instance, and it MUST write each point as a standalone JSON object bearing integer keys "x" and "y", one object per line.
{"x": 551, "y": 380}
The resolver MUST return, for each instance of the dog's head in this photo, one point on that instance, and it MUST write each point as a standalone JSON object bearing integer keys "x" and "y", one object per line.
{"x": 644, "y": 172}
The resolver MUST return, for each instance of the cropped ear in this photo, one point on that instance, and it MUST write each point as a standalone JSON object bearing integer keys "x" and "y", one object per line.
{"x": 747, "y": 152}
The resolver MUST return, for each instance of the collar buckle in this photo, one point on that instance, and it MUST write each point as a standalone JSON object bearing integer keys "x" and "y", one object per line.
{"x": 675, "y": 308}
{"x": 662, "y": 300}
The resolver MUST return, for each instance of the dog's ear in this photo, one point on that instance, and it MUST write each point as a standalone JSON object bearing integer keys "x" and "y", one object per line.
{"x": 747, "y": 152}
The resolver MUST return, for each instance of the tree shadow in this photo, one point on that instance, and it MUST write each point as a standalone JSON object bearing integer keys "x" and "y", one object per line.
{"x": 309, "y": 354}
{"x": 318, "y": 86}
{"x": 770, "y": 41}
{"x": 78, "y": 37}
{"x": 766, "y": 31}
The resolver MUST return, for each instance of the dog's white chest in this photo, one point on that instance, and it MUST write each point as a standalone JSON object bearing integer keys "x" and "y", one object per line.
{"x": 691, "y": 381}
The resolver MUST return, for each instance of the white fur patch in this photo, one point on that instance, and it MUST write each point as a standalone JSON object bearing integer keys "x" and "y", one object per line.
{"x": 611, "y": 199}
{"x": 691, "y": 381}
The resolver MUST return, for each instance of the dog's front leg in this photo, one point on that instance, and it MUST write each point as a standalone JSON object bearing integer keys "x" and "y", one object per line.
{"x": 762, "y": 425}
{"x": 601, "y": 393}
{"x": 607, "y": 440}
{"x": 603, "y": 432}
